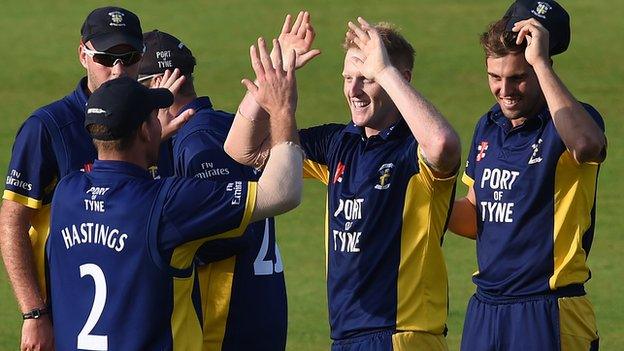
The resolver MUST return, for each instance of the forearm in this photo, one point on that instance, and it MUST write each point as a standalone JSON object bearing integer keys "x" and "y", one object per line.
{"x": 248, "y": 141}
{"x": 17, "y": 254}
{"x": 579, "y": 132}
{"x": 279, "y": 187}
{"x": 283, "y": 128}
{"x": 463, "y": 220}
{"x": 436, "y": 138}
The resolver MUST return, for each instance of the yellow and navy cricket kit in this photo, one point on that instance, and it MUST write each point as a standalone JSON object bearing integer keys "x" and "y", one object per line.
{"x": 535, "y": 225}
{"x": 51, "y": 143}
{"x": 121, "y": 252}
{"x": 241, "y": 280}
{"x": 386, "y": 216}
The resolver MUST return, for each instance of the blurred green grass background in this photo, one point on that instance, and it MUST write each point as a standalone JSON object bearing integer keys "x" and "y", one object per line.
{"x": 39, "y": 55}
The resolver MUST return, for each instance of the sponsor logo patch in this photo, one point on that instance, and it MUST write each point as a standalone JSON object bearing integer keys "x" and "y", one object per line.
{"x": 340, "y": 169}
{"x": 481, "y": 148}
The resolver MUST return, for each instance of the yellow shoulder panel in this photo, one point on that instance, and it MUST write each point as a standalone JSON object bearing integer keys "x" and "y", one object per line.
{"x": 422, "y": 279}
{"x": 315, "y": 170}
{"x": 186, "y": 328}
{"x": 429, "y": 180}
{"x": 183, "y": 255}
{"x": 575, "y": 190}
{"x": 215, "y": 285}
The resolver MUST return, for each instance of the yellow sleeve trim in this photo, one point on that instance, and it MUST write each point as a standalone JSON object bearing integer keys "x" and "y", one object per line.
{"x": 467, "y": 180}
{"x": 250, "y": 205}
{"x": 182, "y": 256}
{"x": 580, "y": 165}
{"x": 24, "y": 200}
{"x": 423, "y": 165}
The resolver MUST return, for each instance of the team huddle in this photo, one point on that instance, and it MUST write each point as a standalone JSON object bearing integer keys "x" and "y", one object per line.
{"x": 136, "y": 216}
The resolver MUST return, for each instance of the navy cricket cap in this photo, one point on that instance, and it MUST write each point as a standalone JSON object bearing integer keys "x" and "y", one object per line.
{"x": 122, "y": 104}
{"x": 550, "y": 14}
{"x": 164, "y": 51}
{"x": 110, "y": 26}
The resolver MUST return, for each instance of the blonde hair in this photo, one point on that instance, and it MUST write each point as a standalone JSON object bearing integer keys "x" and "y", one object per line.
{"x": 400, "y": 51}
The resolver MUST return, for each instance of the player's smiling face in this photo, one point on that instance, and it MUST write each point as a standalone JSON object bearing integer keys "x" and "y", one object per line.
{"x": 97, "y": 74}
{"x": 370, "y": 105}
{"x": 515, "y": 86}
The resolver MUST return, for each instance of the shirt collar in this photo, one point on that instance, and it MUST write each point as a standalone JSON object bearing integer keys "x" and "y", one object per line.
{"x": 538, "y": 121}
{"x": 120, "y": 167}
{"x": 198, "y": 104}
{"x": 81, "y": 93}
{"x": 396, "y": 130}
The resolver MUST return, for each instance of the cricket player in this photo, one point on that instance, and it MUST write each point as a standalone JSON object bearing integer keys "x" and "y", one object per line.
{"x": 241, "y": 280}
{"x": 122, "y": 244}
{"x": 532, "y": 172}
{"x": 390, "y": 174}
{"x": 51, "y": 143}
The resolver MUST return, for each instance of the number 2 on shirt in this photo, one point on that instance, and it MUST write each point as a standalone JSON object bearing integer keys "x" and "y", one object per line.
{"x": 86, "y": 341}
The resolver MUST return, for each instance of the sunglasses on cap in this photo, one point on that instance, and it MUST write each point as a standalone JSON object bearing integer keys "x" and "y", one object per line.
{"x": 142, "y": 79}
{"x": 109, "y": 60}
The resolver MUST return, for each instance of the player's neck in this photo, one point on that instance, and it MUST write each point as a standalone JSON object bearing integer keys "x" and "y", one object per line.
{"x": 389, "y": 120}
{"x": 126, "y": 156}
{"x": 181, "y": 101}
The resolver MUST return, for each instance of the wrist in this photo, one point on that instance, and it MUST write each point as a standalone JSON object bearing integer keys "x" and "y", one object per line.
{"x": 542, "y": 66}
{"x": 285, "y": 131}
{"x": 284, "y": 112}
{"x": 386, "y": 74}
{"x": 36, "y": 313}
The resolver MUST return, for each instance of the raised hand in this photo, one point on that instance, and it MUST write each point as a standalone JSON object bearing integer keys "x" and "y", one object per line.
{"x": 374, "y": 58}
{"x": 297, "y": 38}
{"x": 275, "y": 89}
{"x": 537, "y": 38}
{"x": 169, "y": 122}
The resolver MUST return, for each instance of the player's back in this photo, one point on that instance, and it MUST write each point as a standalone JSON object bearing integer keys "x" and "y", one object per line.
{"x": 241, "y": 279}
{"x": 108, "y": 290}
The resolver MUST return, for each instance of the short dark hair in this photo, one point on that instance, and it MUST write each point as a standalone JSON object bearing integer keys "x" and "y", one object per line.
{"x": 187, "y": 88}
{"x": 401, "y": 52}
{"x": 498, "y": 42}
{"x": 121, "y": 144}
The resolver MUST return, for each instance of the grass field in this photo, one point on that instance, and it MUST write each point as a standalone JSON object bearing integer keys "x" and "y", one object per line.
{"x": 40, "y": 39}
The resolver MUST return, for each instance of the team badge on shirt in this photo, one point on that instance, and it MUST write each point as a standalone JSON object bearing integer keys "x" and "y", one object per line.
{"x": 482, "y": 148}
{"x": 384, "y": 172}
{"x": 153, "y": 170}
{"x": 536, "y": 157}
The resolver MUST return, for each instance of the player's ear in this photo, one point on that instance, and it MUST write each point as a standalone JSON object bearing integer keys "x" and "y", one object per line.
{"x": 81, "y": 55}
{"x": 143, "y": 134}
{"x": 407, "y": 74}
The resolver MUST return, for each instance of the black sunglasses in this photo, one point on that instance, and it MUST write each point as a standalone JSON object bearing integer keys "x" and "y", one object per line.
{"x": 109, "y": 60}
